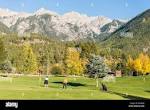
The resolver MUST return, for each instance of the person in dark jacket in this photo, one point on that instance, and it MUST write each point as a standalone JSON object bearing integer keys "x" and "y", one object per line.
{"x": 103, "y": 87}
{"x": 46, "y": 81}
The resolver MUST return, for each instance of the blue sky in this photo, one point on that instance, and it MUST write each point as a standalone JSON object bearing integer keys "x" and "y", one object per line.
{"x": 115, "y": 9}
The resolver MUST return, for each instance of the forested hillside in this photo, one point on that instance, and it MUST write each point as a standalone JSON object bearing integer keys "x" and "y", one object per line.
{"x": 132, "y": 38}
{"x": 41, "y": 53}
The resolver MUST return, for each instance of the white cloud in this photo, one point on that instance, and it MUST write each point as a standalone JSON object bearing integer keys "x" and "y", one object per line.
{"x": 22, "y": 4}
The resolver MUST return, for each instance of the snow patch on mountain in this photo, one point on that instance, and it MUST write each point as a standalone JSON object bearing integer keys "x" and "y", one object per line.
{"x": 72, "y": 24}
{"x": 42, "y": 11}
{"x": 9, "y": 18}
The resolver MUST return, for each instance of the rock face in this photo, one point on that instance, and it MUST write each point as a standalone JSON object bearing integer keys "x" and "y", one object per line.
{"x": 70, "y": 26}
{"x": 112, "y": 26}
{"x": 4, "y": 29}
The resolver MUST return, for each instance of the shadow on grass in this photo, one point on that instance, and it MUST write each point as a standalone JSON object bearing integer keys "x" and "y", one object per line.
{"x": 130, "y": 97}
{"x": 71, "y": 84}
{"x": 147, "y": 91}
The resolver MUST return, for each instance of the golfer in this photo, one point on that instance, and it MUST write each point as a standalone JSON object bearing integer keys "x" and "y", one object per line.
{"x": 46, "y": 81}
{"x": 65, "y": 82}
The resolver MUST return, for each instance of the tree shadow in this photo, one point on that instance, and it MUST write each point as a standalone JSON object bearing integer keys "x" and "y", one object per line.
{"x": 70, "y": 84}
{"x": 147, "y": 91}
{"x": 3, "y": 76}
{"x": 130, "y": 97}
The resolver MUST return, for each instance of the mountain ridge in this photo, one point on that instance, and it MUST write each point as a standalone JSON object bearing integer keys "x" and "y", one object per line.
{"x": 71, "y": 25}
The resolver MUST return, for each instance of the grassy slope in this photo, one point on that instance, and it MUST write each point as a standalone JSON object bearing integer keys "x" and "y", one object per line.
{"x": 32, "y": 88}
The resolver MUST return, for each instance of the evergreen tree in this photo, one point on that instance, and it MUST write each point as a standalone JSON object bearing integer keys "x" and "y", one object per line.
{"x": 88, "y": 48}
{"x": 3, "y": 54}
{"x": 97, "y": 67}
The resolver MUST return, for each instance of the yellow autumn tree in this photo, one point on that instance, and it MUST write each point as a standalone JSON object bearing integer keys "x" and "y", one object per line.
{"x": 145, "y": 67}
{"x": 130, "y": 63}
{"x": 137, "y": 65}
{"x": 27, "y": 62}
{"x": 74, "y": 64}
{"x": 140, "y": 64}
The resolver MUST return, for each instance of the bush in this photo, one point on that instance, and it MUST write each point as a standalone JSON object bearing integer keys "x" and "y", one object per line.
{"x": 6, "y": 67}
{"x": 57, "y": 70}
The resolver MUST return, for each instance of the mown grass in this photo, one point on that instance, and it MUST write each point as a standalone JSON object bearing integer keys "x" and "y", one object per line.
{"x": 26, "y": 87}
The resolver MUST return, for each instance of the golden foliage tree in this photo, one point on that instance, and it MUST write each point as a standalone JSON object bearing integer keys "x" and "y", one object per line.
{"x": 74, "y": 64}
{"x": 27, "y": 62}
{"x": 140, "y": 64}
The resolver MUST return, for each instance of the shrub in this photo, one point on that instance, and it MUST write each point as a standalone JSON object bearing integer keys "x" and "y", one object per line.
{"x": 57, "y": 70}
{"x": 6, "y": 67}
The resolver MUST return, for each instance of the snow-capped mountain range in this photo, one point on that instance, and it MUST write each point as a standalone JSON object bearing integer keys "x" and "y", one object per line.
{"x": 69, "y": 26}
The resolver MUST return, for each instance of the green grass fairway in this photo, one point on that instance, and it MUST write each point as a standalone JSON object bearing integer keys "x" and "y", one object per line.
{"x": 80, "y": 88}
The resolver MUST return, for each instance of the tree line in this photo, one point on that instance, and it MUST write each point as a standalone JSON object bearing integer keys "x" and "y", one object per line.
{"x": 42, "y": 55}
